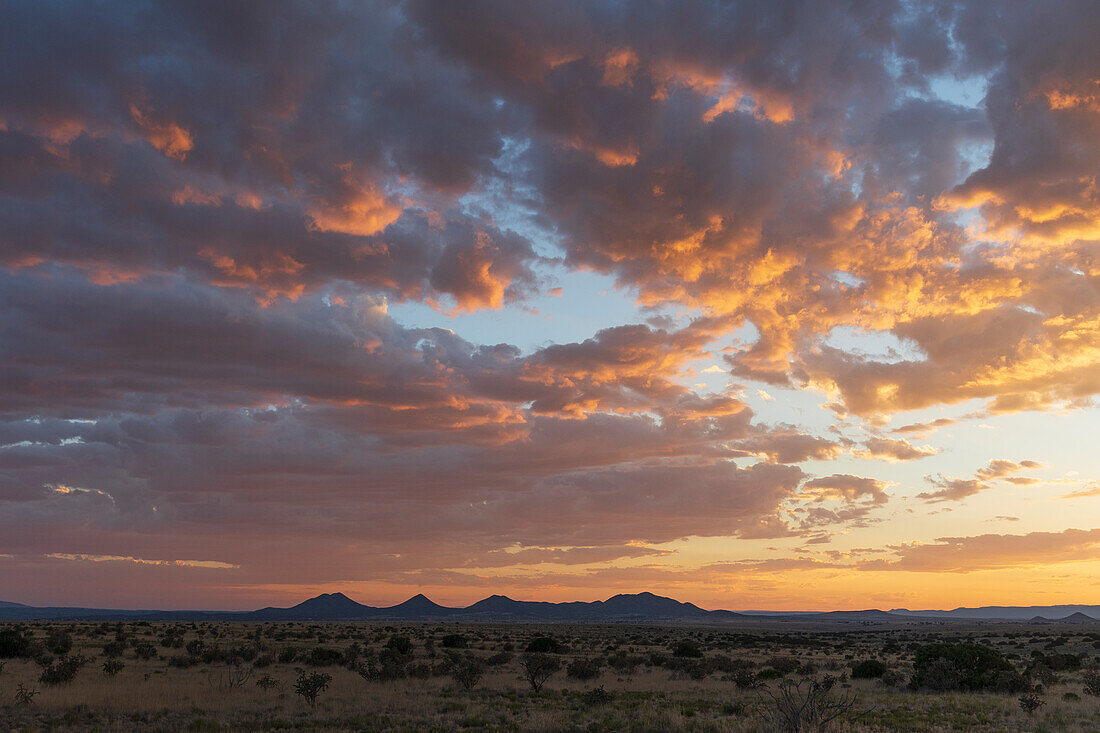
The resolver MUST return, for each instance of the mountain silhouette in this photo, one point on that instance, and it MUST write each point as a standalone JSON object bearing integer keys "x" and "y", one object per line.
{"x": 642, "y": 607}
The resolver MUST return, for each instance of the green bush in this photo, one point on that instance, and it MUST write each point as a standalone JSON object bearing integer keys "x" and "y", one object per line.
{"x": 965, "y": 666}
{"x": 868, "y": 669}
{"x": 309, "y": 686}
{"x": 321, "y": 656}
{"x": 544, "y": 645}
{"x": 584, "y": 669}
{"x": 62, "y": 671}
{"x": 401, "y": 644}
{"x": 59, "y": 642}
{"x": 454, "y": 641}
{"x": 688, "y": 649}
{"x": 14, "y": 644}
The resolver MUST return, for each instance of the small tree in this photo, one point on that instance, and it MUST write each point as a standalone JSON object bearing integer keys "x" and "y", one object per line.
{"x": 799, "y": 707}
{"x": 235, "y": 675}
{"x": 309, "y": 686}
{"x": 538, "y": 668}
{"x": 466, "y": 671}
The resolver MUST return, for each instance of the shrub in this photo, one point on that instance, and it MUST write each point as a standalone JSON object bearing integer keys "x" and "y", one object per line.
{"x": 466, "y": 671}
{"x": 24, "y": 695}
{"x": 738, "y": 708}
{"x": 172, "y": 639}
{"x": 145, "y": 650}
{"x": 263, "y": 661}
{"x": 584, "y": 669}
{"x": 59, "y": 642}
{"x": 1091, "y": 678}
{"x": 321, "y": 656}
{"x": 538, "y": 667}
{"x": 1010, "y": 683}
{"x": 809, "y": 705}
{"x": 234, "y": 675}
{"x": 499, "y": 659}
{"x": 62, "y": 671}
{"x": 389, "y": 665}
{"x": 400, "y": 644}
{"x": 688, "y": 649}
{"x": 1070, "y": 696}
{"x": 1030, "y": 702}
{"x": 454, "y": 641}
{"x": 267, "y": 682}
{"x": 309, "y": 686}
{"x": 115, "y": 648}
{"x": 14, "y": 644}
{"x": 967, "y": 666}
{"x": 746, "y": 679}
{"x": 1057, "y": 662}
{"x": 182, "y": 661}
{"x": 892, "y": 678}
{"x": 596, "y": 696}
{"x": 544, "y": 645}
{"x": 112, "y": 667}
{"x": 288, "y": 655}
{"x": 624, "y": 663}
{"x": 868, "y": 669}
{"x": 785, "y": 665}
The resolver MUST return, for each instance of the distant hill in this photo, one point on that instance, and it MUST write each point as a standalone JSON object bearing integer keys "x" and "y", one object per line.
{"x": 1007, "y": 613}
{"x": 623, "y": 608}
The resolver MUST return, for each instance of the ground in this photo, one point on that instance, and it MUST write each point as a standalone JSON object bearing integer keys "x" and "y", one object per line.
{"x": 204, "y": 677}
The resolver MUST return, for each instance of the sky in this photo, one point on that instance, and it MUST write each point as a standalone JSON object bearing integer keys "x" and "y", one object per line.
{"x": 759, "y": 305}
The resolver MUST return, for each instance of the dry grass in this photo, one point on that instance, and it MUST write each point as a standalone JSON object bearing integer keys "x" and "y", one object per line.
{"x": 151, "y": 695}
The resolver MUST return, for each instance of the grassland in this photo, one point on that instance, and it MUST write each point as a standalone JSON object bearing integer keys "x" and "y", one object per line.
{"x": 204, "y": 677}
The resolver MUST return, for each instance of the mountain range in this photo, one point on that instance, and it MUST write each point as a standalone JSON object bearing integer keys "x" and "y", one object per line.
{"x": 623, "y": 608}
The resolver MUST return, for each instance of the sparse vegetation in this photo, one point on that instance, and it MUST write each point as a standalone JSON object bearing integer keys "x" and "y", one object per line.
{"x": 310, "y": 685}
{"x": 467, "y": 671}
{"x": 601, "y": 677}
{"x": 943, "y": 667}
{"x": 809, "y": 705}
{"x": 62, "y": 671}
{"x": 1031, "y": 701}
{"x": 538, "y": 668}
{"x": 25, "y": 695}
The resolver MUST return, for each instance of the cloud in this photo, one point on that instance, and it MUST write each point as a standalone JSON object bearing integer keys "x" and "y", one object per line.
{"x": 208, "y": 211}
{"x": 993, "y": 552}
{"x": 955, "y": 489}
{"x": 922, "y": 428}
{"x": 896, "y": 449}
{"x": 846, "y": 487}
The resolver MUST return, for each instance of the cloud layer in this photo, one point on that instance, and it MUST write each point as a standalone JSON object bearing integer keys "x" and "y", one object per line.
{"x": 209, "y": 211}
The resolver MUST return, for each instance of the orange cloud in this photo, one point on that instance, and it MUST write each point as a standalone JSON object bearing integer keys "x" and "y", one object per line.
{"x": 169, "y": 138}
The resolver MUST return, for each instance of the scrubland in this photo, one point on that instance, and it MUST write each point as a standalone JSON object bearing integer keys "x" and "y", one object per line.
{"x": 482, "y": 677}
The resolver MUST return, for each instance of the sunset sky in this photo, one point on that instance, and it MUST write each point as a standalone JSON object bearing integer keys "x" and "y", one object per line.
{"x": 759, "y": 305}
